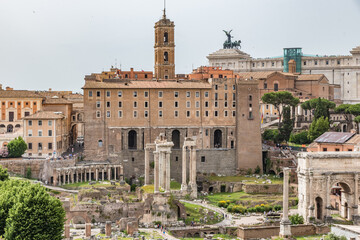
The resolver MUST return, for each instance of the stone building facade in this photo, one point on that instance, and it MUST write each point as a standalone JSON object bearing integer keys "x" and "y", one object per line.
{"x": 341, "y": 70}
{"x": 221, "y": 114}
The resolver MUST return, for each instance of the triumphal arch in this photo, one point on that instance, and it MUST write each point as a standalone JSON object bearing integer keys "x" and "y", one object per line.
{"x": 328, "y": 184}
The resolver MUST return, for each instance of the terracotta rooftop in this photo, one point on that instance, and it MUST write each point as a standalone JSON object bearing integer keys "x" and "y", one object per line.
{"x": 334, "y": 137}
{"x": 56, "y": 101}
{"x": 256, "y": 75}
{"x": 45, "y": 115}
{"x": 149, "y": 84}
{"x": 354, "y": 140}
{"x": 310, "y": 77}
{"x": 18, "y": 94}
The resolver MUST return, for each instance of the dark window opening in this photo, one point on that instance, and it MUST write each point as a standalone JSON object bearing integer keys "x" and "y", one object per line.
{"x": 132, "y": 139}
{"x": 166, "y": 56}
{"x": 232, "y": 144}
{"x": 217, "y": 139}
{"x": 175, "y": 138}
{"x": 133, "y": 159}
{"x": 202, "y": 158}
{"x": 276, "y": 87}
{"x": 166, "y": 37}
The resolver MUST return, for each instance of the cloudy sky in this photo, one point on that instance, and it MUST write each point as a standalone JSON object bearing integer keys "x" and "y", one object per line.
{"x": 55, "y": 43}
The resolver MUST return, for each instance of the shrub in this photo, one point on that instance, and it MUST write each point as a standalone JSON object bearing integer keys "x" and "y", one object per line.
{"x": 257, "y": 169}
{"x": 17, "y": 147}
{"x": 332, "y": 236}
{"x": 3, "y": 174}
{"x": 249, "y": 171}
{"x": 300, "y": 138}
{"x": 236, "y": 209}
{"x": 223, "y": 204}
{"x": 28, "y": 173}
{"x": 296, "y": 219}
{"x": 272, "y": 135}
{"x": 277, "y": 208}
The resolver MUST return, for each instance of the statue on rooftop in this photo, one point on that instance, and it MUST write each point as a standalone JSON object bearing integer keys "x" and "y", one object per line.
{"x": 230, "y": 44}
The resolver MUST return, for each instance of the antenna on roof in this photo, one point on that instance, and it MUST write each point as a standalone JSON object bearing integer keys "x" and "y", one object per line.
{"x": 164, "y": 15}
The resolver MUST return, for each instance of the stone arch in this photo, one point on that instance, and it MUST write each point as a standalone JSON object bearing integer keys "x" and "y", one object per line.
{"x": 217, "y": 138}
{"x": 2, "y": 126}
{"x": 17, "y": 126}
{"x": 196, "y": 235}
{"x": 344, "y": 128}
{"x": 10, "y": 128}
{"x": 343, "y": 195}
{"x": 272, "y": 172}
{"x": 319, "y": 205}
{"x": 281, "y": 174}
{"x": 132, "y": 139}
{"x": 175, "y": 138}
{"x": 80, "y": 214}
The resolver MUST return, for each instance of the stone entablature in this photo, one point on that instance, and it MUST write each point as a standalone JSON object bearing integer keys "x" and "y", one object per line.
{"x": 318, "y": 173}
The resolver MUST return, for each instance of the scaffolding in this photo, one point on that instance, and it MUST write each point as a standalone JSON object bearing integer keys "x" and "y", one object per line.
{"x": 292, "y": 53}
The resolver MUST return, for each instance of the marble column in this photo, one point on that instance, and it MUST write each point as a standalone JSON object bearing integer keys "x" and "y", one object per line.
{"x": 193, "y": 172}
{"x": 72, "y": 177}
{"x": 285, "y": 224}
{"x": 115, "y": 172}
{"x": 96, "y": 174}
{"x": 311, "y": 205}
{"x": 156, "y": 172}
{"x": 90, "y": 175}
{"x": 102, "y": 175}
{"x": 85, "y": 178}
{"x": 328, "y": 217}
{"x": 81, "y": 175}
{"x": 109, "y": 173}
{"x": 167, "y": 172}
{"x": 183, "y": 183}
{"x": 147, "y": 166}
{"x": 356, "y": 217}
{"x": 161, "y": 169}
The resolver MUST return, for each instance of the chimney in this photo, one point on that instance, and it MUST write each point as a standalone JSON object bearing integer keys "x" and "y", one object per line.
{"x": 292, "y": 66}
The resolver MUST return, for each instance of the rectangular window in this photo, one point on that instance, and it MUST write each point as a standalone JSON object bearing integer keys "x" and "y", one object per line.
{"x": 188, "y": 104}
{"x": 206, "y": 104}
{"x": 207, "y": 132}
{"x": 216, "y": 86}
{"x": 146, "y": 104}
{"x": 225, "y": 113}
{"x": 90, "y": 93}
{"x": 176, "y": 113}
{"x": 108, "y": 104}
{"x": 324, "y": 149}
{"x": 176, "y": 94}
{"x": 146, "y": 114}
{"x": 98, "y": 94}
{"x": 197, "y": 113}
{"x": 233, "y": 113}
{"x": 337, "y": 150}
{"x": 267, "y": 106}
{"x": 49, "y": 146}
{"x": 135, "y": 94}
{"x": 197, "y": 94}
{"x": 233, "y": 97}
{"x": 30, "y": 146}
{"x": 188, "y": 94}
{"x": 187, "y": 113}
{"x": 49, "y": 133}
{"x": 40, "y": 146}
{"x": 197, "y": 104}
{"x": 216, "y": 96}
{"x": 98, "y": 115}
{"x": 225, "y": 104}
{"x": 146, "y": 94}
{"x": 216, "y": 113}
{"x": 40, "y": 122}
{"x": 234, "y": 104}
{"x": 206, "y": 113}
{"x": 120, "y": 114}
{"x": 160, "y": 94}
{"x": 225, "y": 97}
{"x": 206, "y": 94}
{"x": 98, "y": 104}
{"x": 160, "y": 114}
{"x": 107, "y": 114}
{"x": 160, "y": 104}
{"x": 135, "y": 104}
{"x": 119, "y": 93}
{"x": 216, "y": 104}
{"x": 135, "y": 114}
{"x": 29, "y": 133}
{"x": 176, "y": 104}
{"x": 107, "y": 93}
{"x": 233, "y": 87}
{"x": 120, "y": 104}
{"x": 50, "y": 123}
{"x": 225, "y": 86}
{"x": 202, "y": 158}
{"x": 40, "y": 133}
{"x": 30, "y": 122}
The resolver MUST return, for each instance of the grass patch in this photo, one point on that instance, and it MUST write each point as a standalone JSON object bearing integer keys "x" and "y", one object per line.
{"x": 247, "y": 180}
{"x": 194, "y": 214}
{"x": 85, "y": 185}
{"x": 173, "y": 185}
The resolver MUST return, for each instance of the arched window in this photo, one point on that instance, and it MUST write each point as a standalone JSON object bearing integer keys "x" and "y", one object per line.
{"x": 100, "y": 143}
{"x": 166, "y": 56}
{"x": 276, "y": 87}
{"x": 132, "y": 137}
{"x": 175, "y": 138}
{"x": 10, "y": 128}
{"x": 166, "y": 37}
{"x": 217, "y": 139}
{"x": 250, "y": 97}
{"x": 2, "y": 125}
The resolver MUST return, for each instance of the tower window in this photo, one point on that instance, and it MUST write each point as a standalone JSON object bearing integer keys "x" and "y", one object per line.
{"x": 166, "y": 37}
{"x": 166, "y": 56}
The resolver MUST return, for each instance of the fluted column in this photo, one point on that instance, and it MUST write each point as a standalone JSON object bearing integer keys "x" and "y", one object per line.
{"x": 311, "y": 196}
{"x": 96, "y": 174}
{"x": 115, "y": 172}
{"x": 285, "y": 224}
{"x": 328, "y": 206}
{"x": 156, "y": 172}
{"x": 193, "y": 172}
{"x": 109, "y": 173}
{"x": 103, "y": 173}
{"x": 147, "y": 166}
{"x": 167, "y": 171}
{"x": 183, "y": 183}
{"x": 85, "y": 178}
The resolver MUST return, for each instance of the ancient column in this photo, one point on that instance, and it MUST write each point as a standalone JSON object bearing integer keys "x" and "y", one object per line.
{"x": 96, "y": 174}
{"x": 183, "y": 183}
{"x": 72, "y": 177}
{"x": 147, "y": 166}
{"x": 285, "y": 228}
{"x": 81, "y": 175}
{"x": 167, "y": 172}
{"x": 67, "y": 231}
{"x": 90, "y": 174}
{"x": 68, "y": 177}
{"x": 115, "y": 173}
{"x": 108, "y": 228}
{"x": 328, "y": 205}
{"x": 193, "y": 172}
{"x": 156, "y": 172}
{"x": 87, "y": 230}
{"x": 103, "y": 173}
{"x": 163, "y": 170}
{"x": 356, "y": 217}
{"x": 85, "y": 178}
{"x": 109, "y": 173}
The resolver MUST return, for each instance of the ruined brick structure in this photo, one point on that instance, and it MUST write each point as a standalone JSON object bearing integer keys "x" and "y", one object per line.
{"x": 122, "y": 115}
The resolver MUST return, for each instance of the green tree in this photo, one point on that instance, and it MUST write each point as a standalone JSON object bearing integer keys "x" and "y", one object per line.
{"x": 300, "y": 138}
{"x": 343, "y": 109}
{"x": 280, "y": 100}
{"x": 318, "y": 127}
{"x": 354, "y": 110}
{"x": 3, "y": 174}
{"x": 287, "y": 125}
{"x": 17, "y": 147}
{"x": 320, "y": 106}
{"x": 35, "y": 215}
{"x": 272, "y": 135}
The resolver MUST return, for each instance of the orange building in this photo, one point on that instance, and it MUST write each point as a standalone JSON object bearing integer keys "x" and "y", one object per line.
{"x": 336, "y": 142}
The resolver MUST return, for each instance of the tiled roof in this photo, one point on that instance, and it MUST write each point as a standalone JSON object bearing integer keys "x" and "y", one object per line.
{"x": 334, "y": 137}
{"x": 310, "y": 77}
{"x": 354, "y": 140}
{"x": 256, "y": 75}
{"x": 149, "y": 84}
{"x": 56, "y": 101}
{"x": 18, "y": 94}
{"x": 45, "y": 115}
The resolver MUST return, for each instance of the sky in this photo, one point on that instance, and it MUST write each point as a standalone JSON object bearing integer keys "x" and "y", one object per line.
{"x": 55, "y": 43}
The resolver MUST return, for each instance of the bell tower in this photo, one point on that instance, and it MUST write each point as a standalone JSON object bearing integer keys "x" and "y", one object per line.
{"x": 164, "y": 49}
